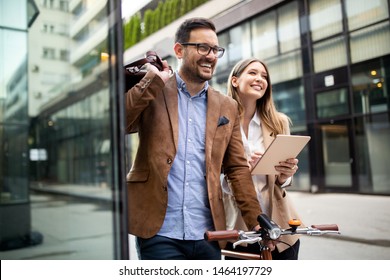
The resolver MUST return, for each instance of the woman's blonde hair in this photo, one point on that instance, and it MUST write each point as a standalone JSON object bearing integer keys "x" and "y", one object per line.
{"x": 274, "y": 120}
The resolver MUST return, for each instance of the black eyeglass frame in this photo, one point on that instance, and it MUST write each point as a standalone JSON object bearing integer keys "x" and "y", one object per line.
{"x": 217, "y": 51}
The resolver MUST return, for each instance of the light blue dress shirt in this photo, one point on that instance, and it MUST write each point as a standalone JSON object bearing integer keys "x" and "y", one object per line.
{"x": 188, "y": 213}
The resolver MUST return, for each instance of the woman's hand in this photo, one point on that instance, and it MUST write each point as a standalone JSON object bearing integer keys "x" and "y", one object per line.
{"x": 255, "y": 157}
{"x": 286, "y": 169}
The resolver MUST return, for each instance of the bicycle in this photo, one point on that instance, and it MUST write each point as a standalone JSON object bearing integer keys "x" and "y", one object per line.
{"x": 269, "y": 231}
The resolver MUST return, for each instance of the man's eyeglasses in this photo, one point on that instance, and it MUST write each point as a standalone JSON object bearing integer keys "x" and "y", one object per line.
{"x": 204, "y": 49}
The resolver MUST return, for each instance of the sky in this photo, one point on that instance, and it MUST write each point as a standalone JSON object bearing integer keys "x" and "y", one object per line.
{"x": 129, "y": 7}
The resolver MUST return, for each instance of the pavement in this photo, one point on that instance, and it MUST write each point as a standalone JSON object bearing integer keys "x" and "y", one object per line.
{"x": 363, "y": 220}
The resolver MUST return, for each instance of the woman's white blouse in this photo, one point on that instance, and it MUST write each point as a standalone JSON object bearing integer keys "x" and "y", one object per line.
{"x": 255, "y": 143}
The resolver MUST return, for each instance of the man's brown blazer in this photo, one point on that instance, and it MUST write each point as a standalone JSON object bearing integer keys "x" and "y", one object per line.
{"x": 152, "y": 111}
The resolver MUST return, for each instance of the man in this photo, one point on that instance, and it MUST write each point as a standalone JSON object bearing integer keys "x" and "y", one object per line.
{"x": 187, "y": 131}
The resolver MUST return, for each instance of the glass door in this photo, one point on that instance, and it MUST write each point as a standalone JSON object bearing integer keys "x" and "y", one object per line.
{"x": 336, "y": 155}
{"x": 334, "y": 136}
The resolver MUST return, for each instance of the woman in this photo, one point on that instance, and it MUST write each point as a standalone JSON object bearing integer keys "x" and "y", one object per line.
{"x": 250, "y": 85}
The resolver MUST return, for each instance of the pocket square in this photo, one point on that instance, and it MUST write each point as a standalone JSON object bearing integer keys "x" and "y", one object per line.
{"x": 223, "y": 120}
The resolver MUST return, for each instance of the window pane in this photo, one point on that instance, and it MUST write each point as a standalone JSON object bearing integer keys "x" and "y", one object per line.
{"x": 223, "y": 62}
{"x": 369, "y": 86}
{"x": 13, "y": 57}
{"x": 337, "y": 165}
{"x": 362, "y": 12}
{"x": 325, "y": 18}
{"x": 370, "y": 42}
{"x": 239, "y": 43}
{"x": 285, "y": 67}
{"x": 264, "y": 36}
{"x": 288, "y": 27}
{"x": 14, "y": 154}
{"x": 373, "y": 138}
{"x": 289, "y": 99}
{"x": 329, "y": 54}
{"x": 13, "y": 14}
{"x": 56, "y": 128}
{"x": 332, "y": 103}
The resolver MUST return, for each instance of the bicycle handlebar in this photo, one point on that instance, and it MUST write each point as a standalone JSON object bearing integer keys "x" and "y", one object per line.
{"x": 326, "y": 227}
{"x": 233, "y": 235}
{"x": 222, "y": 235}
{"x": 269, "y": 230}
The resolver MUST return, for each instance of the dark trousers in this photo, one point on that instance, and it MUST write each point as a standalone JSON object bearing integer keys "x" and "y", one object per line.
{"x": 164, "y": 248}
{"x": 290, "y": 253}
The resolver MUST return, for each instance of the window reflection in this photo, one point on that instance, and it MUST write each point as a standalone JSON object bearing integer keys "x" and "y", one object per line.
{"x": 239, "y": 43}
{"x": 325, "y": 18}
{"x": 13, "y": 14}
{"x": 332, "y": 103}
{"x": 362, "y": 12}
{"x": 13, "y": 117}
{"x": 329, "y": 54}
{"x": 288, "y": 27}
{"x": 265, "y": 42}
{"x": 285, "y": 67}
{"x": 370, "y": 42}
{"x": 56, "y": 133}
{"x": 290, "y": 99}
{"x": 337, "y": 164}
{"x": 369, "y": 84}
{"x": 373, "y": 138}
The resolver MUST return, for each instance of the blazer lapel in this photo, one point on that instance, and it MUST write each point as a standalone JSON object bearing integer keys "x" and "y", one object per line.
{"x": 268, "y": 137}
{"x": 213, "y": 112}
{"x": 171, "y": 100}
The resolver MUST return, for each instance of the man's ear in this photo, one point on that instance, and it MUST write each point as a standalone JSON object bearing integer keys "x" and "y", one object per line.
{"x": 178, "y": 48}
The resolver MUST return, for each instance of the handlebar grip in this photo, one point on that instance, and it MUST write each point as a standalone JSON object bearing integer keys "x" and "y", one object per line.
{"x": 326, "y": 227}
{"x": 219, "y": 235}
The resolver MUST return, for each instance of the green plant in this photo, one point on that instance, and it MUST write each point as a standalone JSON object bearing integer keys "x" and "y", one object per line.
{"x": 139, "y": 27}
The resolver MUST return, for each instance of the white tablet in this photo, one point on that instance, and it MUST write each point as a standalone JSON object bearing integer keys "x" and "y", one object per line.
{"x": 282, "y": 147}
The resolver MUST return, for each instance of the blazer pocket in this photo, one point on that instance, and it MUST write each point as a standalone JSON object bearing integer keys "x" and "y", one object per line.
{"x": 222, "y": 121}
{"x": 138, "y": 176}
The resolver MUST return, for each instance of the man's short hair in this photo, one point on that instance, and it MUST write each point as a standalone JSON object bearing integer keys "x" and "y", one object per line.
{"x": 183, "y": 32}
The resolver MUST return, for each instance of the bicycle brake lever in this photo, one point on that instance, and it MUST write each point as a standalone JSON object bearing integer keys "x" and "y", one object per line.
{"x": 247, "y": 241}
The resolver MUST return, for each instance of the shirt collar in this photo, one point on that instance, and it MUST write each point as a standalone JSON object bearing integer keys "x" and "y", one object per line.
{"x": 256, "y": 118}
{"x": 183, "y": 87}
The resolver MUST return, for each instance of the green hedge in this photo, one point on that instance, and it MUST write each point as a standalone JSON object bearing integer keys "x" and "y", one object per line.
{"x": 137, "y": 27}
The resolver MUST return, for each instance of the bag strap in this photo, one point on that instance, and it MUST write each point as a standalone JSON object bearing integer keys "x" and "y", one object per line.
{"x": 150, "y": 57}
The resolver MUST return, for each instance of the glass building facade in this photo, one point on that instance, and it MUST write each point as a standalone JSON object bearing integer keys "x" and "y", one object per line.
{"x": 62, "y": 183}
{"x": 63, "y": 153}
{"x": 329, "y": 63}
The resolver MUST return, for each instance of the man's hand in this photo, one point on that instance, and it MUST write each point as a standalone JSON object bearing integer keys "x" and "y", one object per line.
{"x": 165, "y": 74}
{"x": 271, "y": 244}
